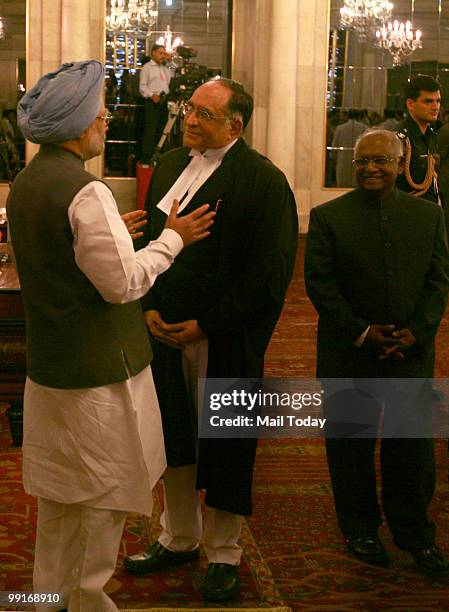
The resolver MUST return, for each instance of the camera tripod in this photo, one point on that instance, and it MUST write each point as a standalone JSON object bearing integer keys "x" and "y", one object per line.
{"x": 173, "y": 115}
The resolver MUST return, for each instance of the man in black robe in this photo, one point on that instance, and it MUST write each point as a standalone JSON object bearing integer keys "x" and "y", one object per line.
{"x": 214, "y": 316}
{"x": 377, "y": 272}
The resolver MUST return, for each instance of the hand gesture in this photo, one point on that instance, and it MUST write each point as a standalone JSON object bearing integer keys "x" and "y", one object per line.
{"x": 133, "y": 221}
{"x": 191, "y": 227}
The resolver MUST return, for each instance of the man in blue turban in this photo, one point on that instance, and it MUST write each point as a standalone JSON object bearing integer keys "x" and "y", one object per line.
{"x": 62, "y": 104}
{"x": 93, "y": 446}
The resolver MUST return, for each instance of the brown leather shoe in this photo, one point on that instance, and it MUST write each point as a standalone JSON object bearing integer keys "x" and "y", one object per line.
{"x": 368, "y": 549}
{"x": 157, "y": 558}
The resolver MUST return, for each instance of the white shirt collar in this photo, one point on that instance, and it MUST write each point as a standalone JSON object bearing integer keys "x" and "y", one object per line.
{"x": 194, "y": 175}
{"x": 213, "y": 154}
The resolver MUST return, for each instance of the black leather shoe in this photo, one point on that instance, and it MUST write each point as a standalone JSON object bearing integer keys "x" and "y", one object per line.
{"x": 221, "y": 582}
{"x": 369, "y": 549}
{"x": 431, "y": 561}
{"x": 157, "y": 558}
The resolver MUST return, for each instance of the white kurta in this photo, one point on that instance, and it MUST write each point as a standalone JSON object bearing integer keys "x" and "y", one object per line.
{"x": 103, "y": 446}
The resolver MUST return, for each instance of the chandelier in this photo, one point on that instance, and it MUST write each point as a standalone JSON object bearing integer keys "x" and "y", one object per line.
{"x": 364, "y": 16}
{"x": 167, "y": 40}
{"x": 134, "y": 15}
{"x": 399, "y": 39}
{"x": 2, "y": 29}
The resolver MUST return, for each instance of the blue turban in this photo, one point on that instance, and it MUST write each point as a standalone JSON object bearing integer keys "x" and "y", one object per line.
{"x": 62, "y": 104}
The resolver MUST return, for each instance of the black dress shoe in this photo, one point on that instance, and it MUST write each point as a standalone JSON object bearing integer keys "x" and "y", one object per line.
{"x": 430, "y": 561}
{"x": 157, "y": 558}
{"x": 369, "y": 549}
{"x": 221, "y": 582}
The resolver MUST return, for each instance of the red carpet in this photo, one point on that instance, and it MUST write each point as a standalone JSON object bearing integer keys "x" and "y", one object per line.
{"x": 294, "y": 554}
{"x": 294, "y": 521}
{"x": 179, "y": 588}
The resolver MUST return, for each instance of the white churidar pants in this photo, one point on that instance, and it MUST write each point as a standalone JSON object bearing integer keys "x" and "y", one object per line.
{"x": 76, "y": 549}
{"x": 181, "y": 521}
{"x": 90, "y": 457}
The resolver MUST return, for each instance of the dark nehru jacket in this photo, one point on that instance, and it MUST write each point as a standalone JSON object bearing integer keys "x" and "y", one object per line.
{"x": 74, "y": 338}
{"x": 371, "y": 261}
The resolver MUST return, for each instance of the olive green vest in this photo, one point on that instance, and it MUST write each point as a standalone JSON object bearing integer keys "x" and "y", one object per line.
{"x": 74, "y": 338}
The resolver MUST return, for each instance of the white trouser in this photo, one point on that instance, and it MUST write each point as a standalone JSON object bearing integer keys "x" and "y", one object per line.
{"x": 181, "y": 520}
{"x": 76, "y": 553}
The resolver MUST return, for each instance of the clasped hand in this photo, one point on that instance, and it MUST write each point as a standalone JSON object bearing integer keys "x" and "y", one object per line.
{"x": 390, "y": 343}
{"x": 176, "y": 335}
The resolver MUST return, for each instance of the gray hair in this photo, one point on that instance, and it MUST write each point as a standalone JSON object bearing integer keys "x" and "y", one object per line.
{"x": 388, "y": 135}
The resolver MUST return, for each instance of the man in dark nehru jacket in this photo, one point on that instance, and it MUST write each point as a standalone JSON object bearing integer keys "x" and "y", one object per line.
{"x": 213, "y": 316}
{"x": 93, "y": 446}
{"x": 377, "y": 272}
{"x": 423, "y": 101}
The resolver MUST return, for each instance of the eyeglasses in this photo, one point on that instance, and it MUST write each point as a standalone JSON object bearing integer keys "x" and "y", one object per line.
{"x": 107, "y": 117}
{"x": 201, "y": 113}
{"x": 362, "y": 162}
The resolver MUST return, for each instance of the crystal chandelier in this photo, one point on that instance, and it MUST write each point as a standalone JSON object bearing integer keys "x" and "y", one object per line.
{"x": 2, "y": 29}
{"x": 364, "y": 16}
{"x": 134, "y": 15}
{"x": 167, "y": 40}
{"x": 399, "y": 39}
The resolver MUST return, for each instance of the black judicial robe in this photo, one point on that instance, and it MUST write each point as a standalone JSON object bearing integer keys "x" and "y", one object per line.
{"x": 234, "y": 284}
{"x": 370, "y": 261}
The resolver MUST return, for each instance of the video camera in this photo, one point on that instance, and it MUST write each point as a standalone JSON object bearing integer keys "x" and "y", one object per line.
{"x": 189, "y": 76}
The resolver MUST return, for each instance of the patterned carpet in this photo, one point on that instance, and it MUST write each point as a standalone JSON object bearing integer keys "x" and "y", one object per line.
{"x": 294, "y": 553}
{"x": 294, "y": 521}
{"x": 170, "y": 589}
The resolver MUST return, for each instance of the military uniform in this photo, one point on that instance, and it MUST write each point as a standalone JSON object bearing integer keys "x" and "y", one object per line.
{"x": 419, "y": 177}
{"x": 443, "y": 170}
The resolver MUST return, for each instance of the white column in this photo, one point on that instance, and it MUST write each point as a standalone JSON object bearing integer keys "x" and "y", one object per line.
{"x": 262, "y": 46}
{"x": 43, "y": 46}
{"x": 290, "y": 80}
{"x": 311, "y": 110}
{"x": 61, "y": 31}
{"x": 75, "y": 25}
{"x": 282, "y": 73}
{"x": 266, "y": 31}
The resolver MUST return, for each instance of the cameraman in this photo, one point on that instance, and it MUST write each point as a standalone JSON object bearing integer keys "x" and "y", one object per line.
{"x": 153, "y": 85}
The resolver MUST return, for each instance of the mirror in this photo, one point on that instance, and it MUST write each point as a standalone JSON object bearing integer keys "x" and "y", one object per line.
{"x": 203, "y": 26}
{"x": 365, "y": 83}
{"x": 12, "y": 86}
